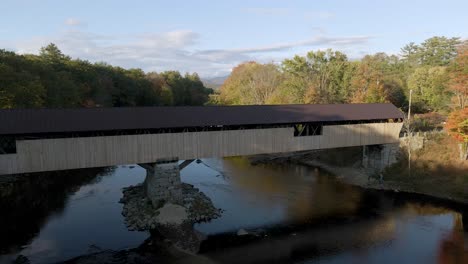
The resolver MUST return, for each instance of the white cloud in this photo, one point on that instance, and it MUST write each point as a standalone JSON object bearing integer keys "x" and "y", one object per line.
{"x": 173, "y": 50}
{"x": 331, "y": 42}
{"x": 73, "y": 22}
{"x": 172, "y": 39}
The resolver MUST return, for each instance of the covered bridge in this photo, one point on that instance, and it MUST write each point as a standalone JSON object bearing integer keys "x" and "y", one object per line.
{"x": 34, "y": 140}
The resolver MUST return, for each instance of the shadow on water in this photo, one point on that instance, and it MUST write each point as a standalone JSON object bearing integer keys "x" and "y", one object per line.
{"x": 27, "y": 202}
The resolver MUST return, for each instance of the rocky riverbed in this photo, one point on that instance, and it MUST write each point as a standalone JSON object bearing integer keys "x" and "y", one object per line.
{"x": 141, "y": 215}
{"x": 174, "y": 222}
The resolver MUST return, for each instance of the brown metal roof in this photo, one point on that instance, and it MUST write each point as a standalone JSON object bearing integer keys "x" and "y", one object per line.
{"x": 32, "y": 121}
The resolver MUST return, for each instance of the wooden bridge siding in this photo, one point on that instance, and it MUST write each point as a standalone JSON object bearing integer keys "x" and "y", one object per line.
{"x": 67, "y": 153}
{"x": 8, "y": 164}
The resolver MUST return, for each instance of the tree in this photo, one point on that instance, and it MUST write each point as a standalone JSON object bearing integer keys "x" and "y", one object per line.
{"x": 410, "y": 53}
{"x": 368, "y": 82}
{"x": 176, "y": 83}
{"x": 438, "y": 51}
{"x": 297, "y": 80}
{"x": 435, "y": 51}
{"x": 429, "y": 86}
{"x": 458, "y": 83}
{"x": 53, "y": 79}
{"x": 184, "y": 90}
{"x": 264, "y": 83}
{"x": 198, "y": 93}
{"x": 319, "y": 77}
{"x": 62, "y": 91}
{"x": 251, "y": 83}
{"x": 19, "y": 88}
{"x": 457, "y": 127}
{"x": 379, "y": 78}
{"x": 52, "y": 53}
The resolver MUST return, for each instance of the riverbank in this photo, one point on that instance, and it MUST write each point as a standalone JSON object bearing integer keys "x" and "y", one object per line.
{"x": 362, "y": 178}
{"x": 435, "y": 169}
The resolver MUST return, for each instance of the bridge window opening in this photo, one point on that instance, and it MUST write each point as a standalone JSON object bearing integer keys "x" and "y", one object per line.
{"x": 7, "y": 145}
{"x": 304, "y": 130}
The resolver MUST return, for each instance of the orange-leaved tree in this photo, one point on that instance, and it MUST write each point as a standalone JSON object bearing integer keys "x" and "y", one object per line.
{"x": 457, "y": 127}
{"x": 459, "y": 77}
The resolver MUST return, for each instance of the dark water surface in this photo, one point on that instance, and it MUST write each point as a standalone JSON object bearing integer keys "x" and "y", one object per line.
{"x": 297, "y": 215}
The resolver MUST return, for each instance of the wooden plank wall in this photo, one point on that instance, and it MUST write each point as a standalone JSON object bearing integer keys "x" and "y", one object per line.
{"x": 72, "y": 153}
{"x": 9, "y": 164}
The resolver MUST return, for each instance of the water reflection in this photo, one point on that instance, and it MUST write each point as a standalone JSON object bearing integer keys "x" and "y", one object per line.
{"x": 254, "y": 196}
{"x": 310, "y": 217}
{"x": 28, "y": 201}
{"x": 296, "y": 214}
{"x": 304, "y": 193}
{"x": 49, "y": 217}
{"x": 453, "y": 247}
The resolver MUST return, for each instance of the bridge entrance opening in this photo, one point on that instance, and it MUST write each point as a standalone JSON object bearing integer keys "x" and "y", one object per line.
{"x": 7, "y": 145}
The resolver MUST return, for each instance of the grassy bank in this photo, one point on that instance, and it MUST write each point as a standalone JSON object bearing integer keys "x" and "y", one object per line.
{"x": 435, "y": 170}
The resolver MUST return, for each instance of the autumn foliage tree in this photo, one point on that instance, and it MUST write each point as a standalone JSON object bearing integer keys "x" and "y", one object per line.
{"x": 319, "y": 77}
{"x": 250, "y": 83}
{"x": 367, "y": 84}
{"x": 435, "y": 70}
{"x": 457, "y": 127}
{"x": 458, "y": 84}
{"x": 457, "y": 124}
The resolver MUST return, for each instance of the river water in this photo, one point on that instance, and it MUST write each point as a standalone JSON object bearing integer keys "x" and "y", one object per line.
{"x": 294, "y": 214}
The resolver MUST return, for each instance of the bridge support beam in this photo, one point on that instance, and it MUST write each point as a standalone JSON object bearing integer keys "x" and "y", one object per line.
{"x": 185, "y": 164}
{"x": 162, "y": 183}
{"x": 378, "y": 157}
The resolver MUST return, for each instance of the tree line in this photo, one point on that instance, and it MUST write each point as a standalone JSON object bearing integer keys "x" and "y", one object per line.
{"x": 328, "y": 76}
{"x": 52, "y": 79}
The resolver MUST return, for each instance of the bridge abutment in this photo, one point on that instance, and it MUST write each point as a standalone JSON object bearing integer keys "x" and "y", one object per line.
{"x": 378, "y": 157}
{"x": 162, "y": 183}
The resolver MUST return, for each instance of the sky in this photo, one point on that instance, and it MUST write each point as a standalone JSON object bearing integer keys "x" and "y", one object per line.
{"x": 212, "y": 37}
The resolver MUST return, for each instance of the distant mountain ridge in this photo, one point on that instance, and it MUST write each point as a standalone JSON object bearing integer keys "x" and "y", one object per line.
{"x": 214, "y": 82}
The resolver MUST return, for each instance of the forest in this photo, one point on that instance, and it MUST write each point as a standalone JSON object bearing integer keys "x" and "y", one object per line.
{"x": 430, "y": 69}
{"x": 54, "y": 80}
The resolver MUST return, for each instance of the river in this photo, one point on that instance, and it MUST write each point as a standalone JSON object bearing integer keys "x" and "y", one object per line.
{"x": 293, "y": 214}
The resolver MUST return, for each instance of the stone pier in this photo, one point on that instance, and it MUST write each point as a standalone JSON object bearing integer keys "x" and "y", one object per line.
{"x": 162, "y": 183}
{"x": 167, "y": 207}
{"x": 378, "y": 157}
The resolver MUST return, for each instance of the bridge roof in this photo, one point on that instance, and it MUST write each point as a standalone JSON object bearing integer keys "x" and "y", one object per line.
{"x": 35, "y": 121}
